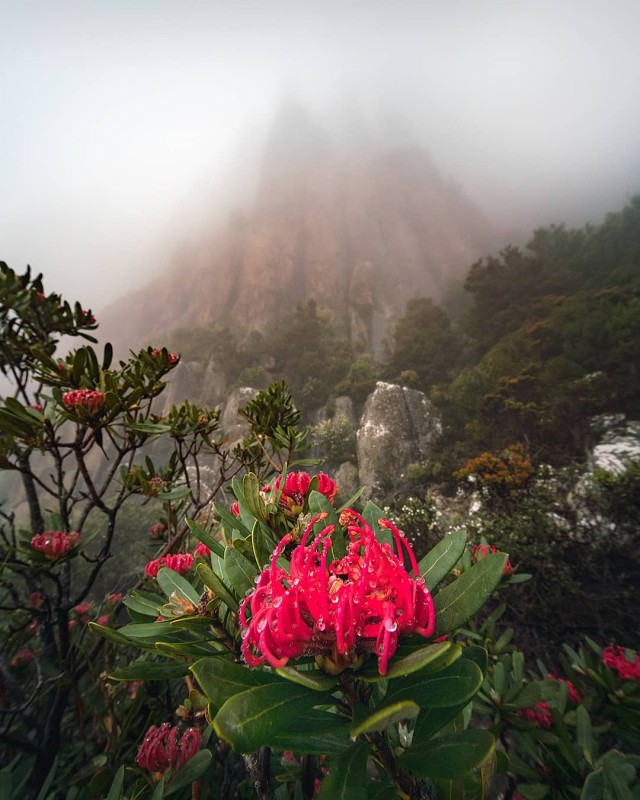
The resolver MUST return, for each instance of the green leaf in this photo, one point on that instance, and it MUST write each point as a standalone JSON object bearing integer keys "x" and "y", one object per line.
{"x": 387, "y": 715}
{"x": 594, "y": 786}
{"x": 263, "y": 544}
{"x": 347, "y": 776}
{"x": 143, "y": 604}
{"x": 170, "y": 582}
{"x": 372, "y": 513}
{"x": 240, "y": 571}
{"x": 437, "y": 655}
{"x": 210, "y": 579}
{"x": 261, "y": 715}
{"x": 450, "y": 687}
{"x": 206, "y": 538}
{"x": 438, "y": 563}
{"x": 467, "y": 594}
{"x": 433, "y": 720}
{"x": 150, "y": 671}
{"x": 449, "y": 756}
{"x": 115, "y": 792}
{"x": 174, "y": 494}
{"x": 584, "y": 734}
{"x": 190, "y": 772}
{"x": 115, "y": 636}
{"x": 527, "y": 698}
{"x": 534, "y": 791}
{"x": 316, "y": 680}
{"x": 149, "y": 428}
{"x": 252, "y": 499}
{"x": 221, "y": 679}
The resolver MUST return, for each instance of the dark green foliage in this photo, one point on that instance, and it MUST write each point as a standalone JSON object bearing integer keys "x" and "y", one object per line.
{"x": 424, "y": 344}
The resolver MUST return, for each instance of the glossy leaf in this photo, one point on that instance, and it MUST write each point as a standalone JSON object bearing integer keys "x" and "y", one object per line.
{"x": 316, "y": 680}
{"x": 433, "y": 720}
{"x": 261, "y": 715}
{"x": 210, "y": 579}
{"x": 467, "y": 594}
{"x": 437, "y": 655}
{"x": 346, "y": 779}
{"x": 169, "y": 581}
{"x": 449, "y": 756}
{"x": 190, "y": 772}
{"x": 150, "y": 671}
{"x": 220, "y": 678}
{"x": 452, "y": 686}
{"x": 252, "y": 499}
{"x": 240, "y": 571}
{"x": 202, "y": 536}
{"x": 387, "y": 715}
{"x": 439, "y": 562}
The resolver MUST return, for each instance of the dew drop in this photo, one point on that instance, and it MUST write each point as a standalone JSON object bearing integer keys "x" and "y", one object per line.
{"x": 257, "y": 578}
{"x": 261, "y": 624}
{"x": 277, "y": 601}
{"x": 320, "y": 624}
{"x": 244, "y": 633}
{"x": 390, "y": 625}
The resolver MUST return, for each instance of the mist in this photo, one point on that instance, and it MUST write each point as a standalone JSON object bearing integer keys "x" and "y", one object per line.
{"x": 130, "y": 130}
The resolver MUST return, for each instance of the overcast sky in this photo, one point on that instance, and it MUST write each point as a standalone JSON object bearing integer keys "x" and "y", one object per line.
{"x": 125, "y": 124}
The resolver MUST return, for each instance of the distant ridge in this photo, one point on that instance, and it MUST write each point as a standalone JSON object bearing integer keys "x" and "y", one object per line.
{"x": 360, "y": 232}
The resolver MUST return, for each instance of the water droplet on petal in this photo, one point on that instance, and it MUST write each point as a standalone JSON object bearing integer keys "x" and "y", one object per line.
{"x": 390, "y": 625}
{"x": 320, "y": 624}
{"x": 261, "y": 624}
{"x": 277, "y": 601}
{"x": 257, "y": 578}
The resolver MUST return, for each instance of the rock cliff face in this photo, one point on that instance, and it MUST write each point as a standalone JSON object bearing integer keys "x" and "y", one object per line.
{"x": 397, "y": 428}
{"x": 359, "y": 232}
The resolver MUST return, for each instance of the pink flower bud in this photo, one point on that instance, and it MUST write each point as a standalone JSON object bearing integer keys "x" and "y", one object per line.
{"x": 88, "y": 399}
{"x": 202, "y": 551}
{"x": 54, "y": 544}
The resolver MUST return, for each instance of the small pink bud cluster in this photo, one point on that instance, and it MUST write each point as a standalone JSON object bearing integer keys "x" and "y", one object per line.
{"x": 296, "y": 487}
{"x": 156, "y": 352}
{"x": 54, "y": 544}
{"x": 180, "y": 563}
{"x": 22, "y": 658}
{"x": 164, "y": 748}
{"x": 624, "y": 661}
{"x": 482, "y": 551}
{"x": 541, "y": 713}
{"x": 83, "y": 610}
{"x": 358, "y": 603}
{"x": 156, "y": 531}
{"x": 88, "y": 399}
{"x": 202, "y": 551}
{"x": 89, "y": 318}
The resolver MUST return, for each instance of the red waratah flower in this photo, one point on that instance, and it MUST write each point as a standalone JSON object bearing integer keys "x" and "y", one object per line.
{"x": 54, "y": 544}
{"x": 483, "y": 550}
{"x": 327, "y": 486}
{"x": 89, "y": 399}
{"x": 573, "y": 695}
{"x": 103, "y": 619}
{"x": 359, "y": 603}
{"x": 36, "y": 407}
{"x": 83, "y": 609}
{"x": 173, "y": 359}
{"x": 235, "y": 509}
{"x": 540, "y": 714}
{"x": 114, "y": 598}
{"x": 202, "y": 551}
{"x": 163, "y": 747}
{"x": 624, "y": 661}
{"x": 296, "y": 487}
{"x": 180, "y": 563}
{"x": 22, "y": 657}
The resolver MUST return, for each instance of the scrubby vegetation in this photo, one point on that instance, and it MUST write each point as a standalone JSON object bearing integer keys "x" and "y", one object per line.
{"x": 537, "y": 696}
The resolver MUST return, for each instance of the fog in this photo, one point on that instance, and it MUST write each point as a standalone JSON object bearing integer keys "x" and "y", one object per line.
{"x": 129, "y": 126}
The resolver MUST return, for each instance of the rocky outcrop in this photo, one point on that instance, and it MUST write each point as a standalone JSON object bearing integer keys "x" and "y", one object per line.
{"x": 397, "y": 428}
{"x": 619, "y": 443}
{"x": 233, "y": 425}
